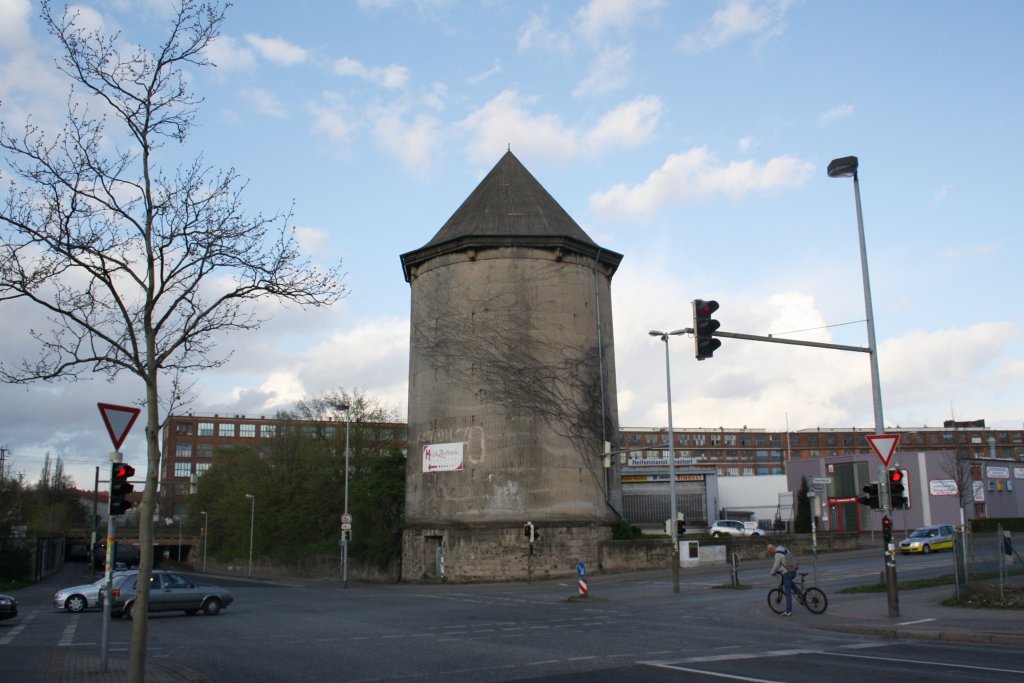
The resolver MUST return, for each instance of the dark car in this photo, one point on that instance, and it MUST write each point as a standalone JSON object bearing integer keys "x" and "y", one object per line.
{"x": 168, "y": 592}
{"x": 8, "y": 607}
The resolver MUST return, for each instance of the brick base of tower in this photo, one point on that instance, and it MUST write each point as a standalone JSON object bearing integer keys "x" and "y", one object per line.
{"x": 469, "y": 553}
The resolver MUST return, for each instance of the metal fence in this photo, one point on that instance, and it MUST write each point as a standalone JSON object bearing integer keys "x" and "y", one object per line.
{"x": 988, "y": 560}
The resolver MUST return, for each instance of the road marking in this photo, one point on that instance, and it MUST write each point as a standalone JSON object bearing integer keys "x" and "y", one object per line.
{"x": 68, "y": 637}
{"x": 927, "y": 662}
{"x": 919, "y": 621}
{"x": 16, "y": 631}
{"x": 712, "y": 674}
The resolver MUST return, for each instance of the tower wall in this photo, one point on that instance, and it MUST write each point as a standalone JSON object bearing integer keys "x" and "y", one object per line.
{"x": 512, "y": 357}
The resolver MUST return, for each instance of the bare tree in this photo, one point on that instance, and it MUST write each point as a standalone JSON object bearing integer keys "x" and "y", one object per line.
{"x": 139, "y": 267}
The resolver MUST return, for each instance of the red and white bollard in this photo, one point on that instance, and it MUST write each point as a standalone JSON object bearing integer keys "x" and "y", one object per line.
{"x": 583, "y": 587}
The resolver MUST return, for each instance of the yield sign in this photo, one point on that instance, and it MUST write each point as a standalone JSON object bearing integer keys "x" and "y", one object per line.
{"x": 884, "y": 445}
{"x": 119, "y": 420}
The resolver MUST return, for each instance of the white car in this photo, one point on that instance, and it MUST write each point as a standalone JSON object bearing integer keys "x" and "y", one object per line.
{"x": 731, "y": 527}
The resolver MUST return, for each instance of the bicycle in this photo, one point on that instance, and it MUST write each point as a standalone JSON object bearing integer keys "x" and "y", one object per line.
{"x": 811, "y": 597}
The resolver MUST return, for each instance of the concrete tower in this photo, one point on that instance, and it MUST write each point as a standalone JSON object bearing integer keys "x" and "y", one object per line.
{"x": 511, "y": 389}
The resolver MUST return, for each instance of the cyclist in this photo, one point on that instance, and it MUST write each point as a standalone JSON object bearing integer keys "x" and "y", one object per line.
{"x": 786, "y": 565}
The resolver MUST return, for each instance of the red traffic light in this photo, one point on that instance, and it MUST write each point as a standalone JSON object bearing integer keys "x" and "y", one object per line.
{"x": 704, "y": 308}
{"x": 895, "y": 475}
{"x": 122, "y": 471}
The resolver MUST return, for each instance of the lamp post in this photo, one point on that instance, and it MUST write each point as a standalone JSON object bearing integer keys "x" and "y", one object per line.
{"x": 846, "y": 167}
{"x": 345, "y": 516}
{"x": 671, "y": 461}
{"x": 252, "y": 526}
{"x": 206, "y": 529}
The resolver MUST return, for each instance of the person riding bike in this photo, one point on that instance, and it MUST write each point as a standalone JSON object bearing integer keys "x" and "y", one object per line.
{"x": 786, "y": 565}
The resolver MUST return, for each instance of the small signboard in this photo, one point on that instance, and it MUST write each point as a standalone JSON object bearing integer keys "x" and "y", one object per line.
{"x": 884, "y": 446}
{"x": 118, "y": 420}
{"x": 581, "y": 569}
{"x": 442, "y": 457}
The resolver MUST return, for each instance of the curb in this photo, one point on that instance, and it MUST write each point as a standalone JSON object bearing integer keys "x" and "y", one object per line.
{"x": 948, "y": 635}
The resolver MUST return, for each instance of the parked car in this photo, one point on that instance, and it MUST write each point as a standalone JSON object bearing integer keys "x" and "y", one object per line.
{"x": 928, "y": 538}
{"x": 168, "y": 592}
{"x": 78, "y": 598}
{"x": 8, "y": 607}
{"x": 731, "y": 527}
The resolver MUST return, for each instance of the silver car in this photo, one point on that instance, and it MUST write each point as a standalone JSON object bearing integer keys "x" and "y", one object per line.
{"x": 168, "y": 592}
{"x": 78, "y": 598}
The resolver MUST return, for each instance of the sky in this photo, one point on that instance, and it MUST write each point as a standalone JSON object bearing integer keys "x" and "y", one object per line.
{"x": 691, "y": 137}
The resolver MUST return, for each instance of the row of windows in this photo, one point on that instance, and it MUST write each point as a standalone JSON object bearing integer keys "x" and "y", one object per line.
{"x": 813, "y": 440}
{"x": 269, "y": 431}
{"x": 184, "y": 469}
{"x": 634, "y": 439}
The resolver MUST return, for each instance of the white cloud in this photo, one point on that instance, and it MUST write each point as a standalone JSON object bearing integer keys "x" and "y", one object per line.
{"x": 277, "y": 50}
{"x": 392, "y": 76}
{"x": 228, "y": 55}
{"x": 601, "y": 16}
{"x": 697, "y": 175}
{"x": 333, "y": 118}
{"x": 843, "y": 111}
{"x": 508, "y": 119}
{"x": 505, "y": 120}
{"x": 628, "y": 125}
{"x": 535, "y": 35}
{"x": 737, "y": 19}
{"x": 609, "y": 72}
{"x": 14, "y": 24}
{"x": 414, "y": 143}
{"x": 265, "y": 102}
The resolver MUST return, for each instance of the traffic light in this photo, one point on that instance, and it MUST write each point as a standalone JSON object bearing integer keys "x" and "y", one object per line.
{"x": 528, "y": 532}
{"x": 870, "y": 497}
{"x": 704, "y": 344}
{"x": 680, "y": 527}
{"x": 898, "y": 499}
{"x": 120, "y": 488}
{"x": 887, "y": 530}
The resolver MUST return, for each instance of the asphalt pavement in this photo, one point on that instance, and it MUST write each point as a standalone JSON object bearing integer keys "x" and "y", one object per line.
{"x": 921, "y": 617}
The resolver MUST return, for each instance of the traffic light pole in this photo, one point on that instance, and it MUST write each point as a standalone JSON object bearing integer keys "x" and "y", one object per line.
{"x": 108, "y": 572}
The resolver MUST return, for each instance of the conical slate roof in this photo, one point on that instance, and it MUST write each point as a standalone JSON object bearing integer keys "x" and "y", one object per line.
{"x": 508, "y": 207}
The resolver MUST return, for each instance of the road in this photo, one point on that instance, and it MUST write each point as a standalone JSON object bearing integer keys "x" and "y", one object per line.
{"x": 632, "y": 628}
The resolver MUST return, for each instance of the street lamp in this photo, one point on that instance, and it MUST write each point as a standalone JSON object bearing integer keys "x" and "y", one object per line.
{"x": 671, "y": 460}
{"x": 206, "y": 529}
{"x": 345, "y": 516}
{"x": 252, "y": 526}
{"x": 846, "y": 167}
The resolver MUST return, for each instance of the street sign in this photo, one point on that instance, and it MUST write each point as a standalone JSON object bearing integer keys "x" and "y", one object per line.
{"x": 884, "y": 445}
{"x": 346, "y": 526}
{"x": 346, "y": 518}
{"x": 821, "y": 481}
{"x": 581, "y": 569}
{"x": 118, "y": 420}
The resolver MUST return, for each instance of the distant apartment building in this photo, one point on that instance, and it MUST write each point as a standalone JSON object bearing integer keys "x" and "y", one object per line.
{"x": 190, "y": 443}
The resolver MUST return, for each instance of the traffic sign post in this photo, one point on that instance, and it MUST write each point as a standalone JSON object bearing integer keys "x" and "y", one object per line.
{"x": 118, "y": 420}
{"x": 884, "y": 445}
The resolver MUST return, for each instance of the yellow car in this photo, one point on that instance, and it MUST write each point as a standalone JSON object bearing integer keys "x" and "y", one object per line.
{"x": 928, "y": 538}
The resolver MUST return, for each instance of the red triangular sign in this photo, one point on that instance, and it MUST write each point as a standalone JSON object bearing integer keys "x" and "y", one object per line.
{"x": 884, "y": 445}
{"x": 118, "y": 420}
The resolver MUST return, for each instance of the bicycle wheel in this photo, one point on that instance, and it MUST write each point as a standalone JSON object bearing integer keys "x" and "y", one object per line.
{"x": 815, "y": 600}
{"x": 777, "y": 600}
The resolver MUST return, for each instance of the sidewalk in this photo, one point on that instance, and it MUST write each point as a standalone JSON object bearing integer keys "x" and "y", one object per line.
{"x": 84, "y": 667}
{"x": 921, "y": 617}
